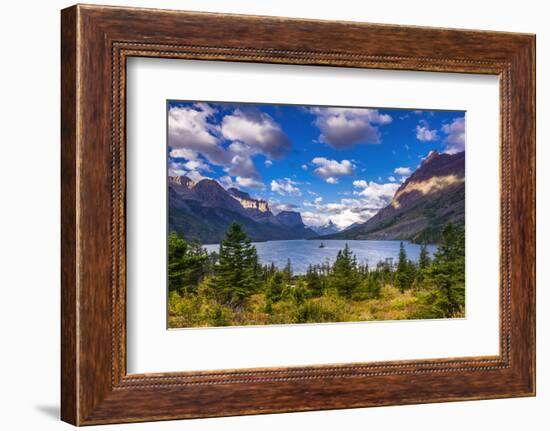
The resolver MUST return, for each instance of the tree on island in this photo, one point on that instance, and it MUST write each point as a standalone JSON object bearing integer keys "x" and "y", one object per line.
{"x": 236, "y": 275}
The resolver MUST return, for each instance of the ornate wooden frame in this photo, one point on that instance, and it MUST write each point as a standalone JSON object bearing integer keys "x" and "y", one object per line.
{"x": 96, "y": 41}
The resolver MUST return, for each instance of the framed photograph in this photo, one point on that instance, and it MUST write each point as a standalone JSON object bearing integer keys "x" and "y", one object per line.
{"x": 280, "y": 215}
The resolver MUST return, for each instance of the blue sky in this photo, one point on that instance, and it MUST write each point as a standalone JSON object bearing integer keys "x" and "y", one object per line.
{"x": 329, "y": 163}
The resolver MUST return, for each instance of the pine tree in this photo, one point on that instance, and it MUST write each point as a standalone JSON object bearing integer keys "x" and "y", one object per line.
{"x": 187, "y": 264}
{"x": 274, "y": 288}
{"x": 313, "y": 281}
{"x": 402, "y": 276}
{"x": 236, "y": 275}
{"x": 424, "y": 258}
{"x": 424, "y": 262}
{"x": 287, "y": 271}
{"x": 373, "y": 286}
{"x": 344, "y": 276}
{"x": 446, "y": 273}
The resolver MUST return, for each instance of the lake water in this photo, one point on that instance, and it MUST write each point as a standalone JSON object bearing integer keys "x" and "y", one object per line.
{"x": 303, "y": 252}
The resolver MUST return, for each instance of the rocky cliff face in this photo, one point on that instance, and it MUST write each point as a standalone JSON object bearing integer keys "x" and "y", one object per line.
{"x": 431, "y": 197}
{"x": 289, "y": 218}
{"x": 258, "y": 209}
{"x": 181, "y": 184}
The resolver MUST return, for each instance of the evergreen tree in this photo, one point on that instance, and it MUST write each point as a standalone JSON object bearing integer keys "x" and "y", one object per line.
{"x": 187, "y": 264}
{"x": 274, "y": 288}
{"x": 236, "y": 275}
{"x": 287, "y": 272}
{"x": 402, "y": 275}
{"x": 424, "y": 263}
{"x": 344, "y": 276}
{"x": 384, "y": 268}
{"x": 314, "y": 282}
{"x": 424, "y": 258}
{"x": 446, "y": 273}
{"x": 373, "y": 286}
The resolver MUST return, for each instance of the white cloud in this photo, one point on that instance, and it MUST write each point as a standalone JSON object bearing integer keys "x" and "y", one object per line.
{"x": 304, "y": 167}
{"x": 197, "y": 165}
{"x": 277, "y": 207}
{"x": 176, "y": 169}
{"x": 196, "y": 176}
{"x": 314, "y": 219}
{"x": 243, "y": 167}
{"x": 344, "y": 127}
{"x": 424, "y": 133}
{"x": 268, "y": 163}
{"x": 181, "y": 168}
{"x": 402, "y": 171}
{"x": 257, "y": 130}
{"x": 392, "y": 179}
{"x": 285, "y": 186}
{"x": 343, "y": 213}
{"x": 240, "y": 148}
{"x": 330, "y": 170}
{"x": 184, "y": 153}
{"x": 250, "y": 183}
{"x": 455, "y": 138}
{"x": 377, "y": 195}
{"x": 227, "y": 182}
{"x": 190, "y": 128}
{"x": 193, "y": 131}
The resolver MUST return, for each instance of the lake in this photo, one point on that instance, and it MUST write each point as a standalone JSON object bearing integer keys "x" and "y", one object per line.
{"x": 303, "y": 252}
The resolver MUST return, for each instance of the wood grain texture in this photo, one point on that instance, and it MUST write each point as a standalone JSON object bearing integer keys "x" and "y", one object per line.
{"x": 96, "y": 41}
{"x": 69, "y": 367}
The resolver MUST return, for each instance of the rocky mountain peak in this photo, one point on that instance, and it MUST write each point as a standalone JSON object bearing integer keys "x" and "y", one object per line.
{"x": 437, "y": 172}
{"x": 248, "y": 202}
{"x": 289, "y": 218}
{"x": 327, "y": 229}
{"x": 181, "y": 180}
{"x": 434, "y": 154}
{"x": 238, "y": 193}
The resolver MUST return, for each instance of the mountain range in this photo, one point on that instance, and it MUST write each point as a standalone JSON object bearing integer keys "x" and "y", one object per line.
{"x": 204, "y": 210}
{"x": 431, "y": 197}
{"x": 327, "y": 229}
